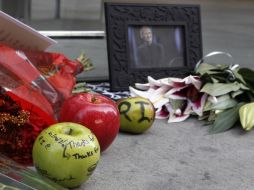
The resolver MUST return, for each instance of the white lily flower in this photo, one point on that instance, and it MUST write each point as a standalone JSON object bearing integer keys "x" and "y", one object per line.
{"x": 144, "y": 94}
{"x": 163, "y": 92}
{"x": 158, "y": 95}
{"x": 140, "y": 86}
{"x": 194, "y": 80}
{"x": 153, "y": 82}
{"x": 161, "y": 113}
{"x": 174, "y": 118}
{"x": 198, "y": 106}
{"x": 159, "y": 103}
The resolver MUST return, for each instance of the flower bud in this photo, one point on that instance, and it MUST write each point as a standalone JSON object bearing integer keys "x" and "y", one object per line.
{"x": 246, "y": 113}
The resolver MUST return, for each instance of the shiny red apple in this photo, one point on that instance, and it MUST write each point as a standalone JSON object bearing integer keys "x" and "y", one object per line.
{"x": 96, "y": 112}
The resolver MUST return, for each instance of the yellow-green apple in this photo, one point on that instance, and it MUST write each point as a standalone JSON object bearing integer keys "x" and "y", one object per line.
{"x": 66, "y": 153}
{"x": 95, "y": 111}
{"x": 136, "y": 114}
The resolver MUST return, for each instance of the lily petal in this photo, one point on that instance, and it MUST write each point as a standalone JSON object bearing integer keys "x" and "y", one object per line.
{"x": 159, "y": 103}
{"x": 188, "y": 110}
{"x": 173, "y": 90}
{"x": 144, "y": 94}
{"x": 161, "y": 113}
{"x": 177, "y": 118}
{"x": 173, "y": 117}
{"x": 175, "y": 95}
{"x": 153, "y": 82}
{"x": 178, "y": 82}
{"x": 195, "y": 80}
{"x": 140, "y": 86}
{"x": 171, "y": 81}
{"x": 198, "y": 105}
{"x": 169, "y": 107}
{"x": 158, "y": 93}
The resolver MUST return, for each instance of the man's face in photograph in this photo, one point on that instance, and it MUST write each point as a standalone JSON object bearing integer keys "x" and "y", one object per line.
{"x": 146, "y": 35}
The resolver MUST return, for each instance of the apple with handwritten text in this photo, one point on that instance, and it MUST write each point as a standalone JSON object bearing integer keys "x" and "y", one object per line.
{"x": 66, "y": 153}
{"x": 137, "y": 114}
{"x": 95, "y": 111}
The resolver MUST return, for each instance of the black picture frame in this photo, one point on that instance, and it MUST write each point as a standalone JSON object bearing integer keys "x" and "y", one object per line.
{"x": 125, "y": 21}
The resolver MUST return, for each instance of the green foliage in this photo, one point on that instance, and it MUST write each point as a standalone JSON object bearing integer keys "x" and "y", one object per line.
{"x": 86, "y": 62}
{"x": 80, "y": 87}
{"x": 231, "y": 86}
{"x": 223, "y": 102}
{"x": 218, "y": 89}
{"x": 226, "y": 119}
{"x": 248, "y": 77}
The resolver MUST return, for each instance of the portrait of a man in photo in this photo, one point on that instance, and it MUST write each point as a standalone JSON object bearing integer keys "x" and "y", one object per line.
{"x": 155, "y": 46}
{"x": 149, "y": 53}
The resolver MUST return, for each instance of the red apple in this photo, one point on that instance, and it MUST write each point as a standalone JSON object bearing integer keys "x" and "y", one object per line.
{"x": 96, "y": 112}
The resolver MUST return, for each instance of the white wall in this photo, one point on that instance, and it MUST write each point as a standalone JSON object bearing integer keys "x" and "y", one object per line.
{"x": 70, "y": 9}
{"x": 42, "y": 9}
{"x": 81, "y": 9}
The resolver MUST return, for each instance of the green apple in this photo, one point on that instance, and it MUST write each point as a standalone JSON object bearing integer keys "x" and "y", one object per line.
{"x": 66, "y": 153}
{"x": 136, "y": 114}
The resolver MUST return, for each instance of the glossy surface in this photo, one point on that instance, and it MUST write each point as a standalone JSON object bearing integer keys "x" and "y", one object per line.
{"x": 96, "y": 112}
{"x": 136, "y": 114}
{"x": 67, "y": 153}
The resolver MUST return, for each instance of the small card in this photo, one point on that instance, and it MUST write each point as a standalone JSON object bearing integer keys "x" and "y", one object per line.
{"x": 20, "y": 36}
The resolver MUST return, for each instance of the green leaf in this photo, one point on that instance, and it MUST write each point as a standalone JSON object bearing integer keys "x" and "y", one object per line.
{"x": 250, "y": 96}
{"x": 212, "y": 116}
{"x": 204, "y": 68}
{"x": 236, "y": 93}
{"x": 210, "y": 69}
{"x": 218, "y": 89}
{"x": 243, "y": 86}
{"x": 205, "y": 116}
{"x": 226, "y": 120}
{"x": 206, "y": 78}
{"x": 247, "y": 75}
{"x": 222, "y": 76}
{"x": 239, "y": 76}
{"x": 223, "y": 102}
{"x": 85, "y": 61}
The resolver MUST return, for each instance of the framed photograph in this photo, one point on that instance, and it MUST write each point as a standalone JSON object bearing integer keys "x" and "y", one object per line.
{"x": 151, "y": 40}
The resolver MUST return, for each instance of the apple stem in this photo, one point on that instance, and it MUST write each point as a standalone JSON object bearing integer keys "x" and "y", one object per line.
{"x": 93, "y": 99}
{"x": 69, "y": 132}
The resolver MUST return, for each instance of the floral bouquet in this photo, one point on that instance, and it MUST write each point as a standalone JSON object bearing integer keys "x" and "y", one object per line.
{"x": 220, "y": 94}
{"x": 33, "y": 85}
